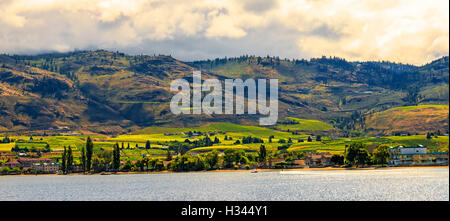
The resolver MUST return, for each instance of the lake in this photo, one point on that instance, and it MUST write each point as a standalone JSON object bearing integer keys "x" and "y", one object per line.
{"x": 299, "y": 185}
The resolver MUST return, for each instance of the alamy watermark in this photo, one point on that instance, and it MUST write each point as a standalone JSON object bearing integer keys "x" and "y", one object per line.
{"x": 212, "y": 103}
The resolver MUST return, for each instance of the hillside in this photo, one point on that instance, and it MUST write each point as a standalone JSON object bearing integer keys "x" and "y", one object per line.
{"x": 111, "y": 92}
{"x": 411, "y": 119}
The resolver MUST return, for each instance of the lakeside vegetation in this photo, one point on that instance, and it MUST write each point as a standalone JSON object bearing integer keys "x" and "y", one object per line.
{"x": 213, "y": 146}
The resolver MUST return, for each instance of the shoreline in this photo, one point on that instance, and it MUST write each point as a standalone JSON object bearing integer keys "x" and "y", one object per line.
{"x": 233, "y": 170}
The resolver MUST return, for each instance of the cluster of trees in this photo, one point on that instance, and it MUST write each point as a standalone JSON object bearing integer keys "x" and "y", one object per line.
{"x": 288, "y": 122}
{"x": 250, "y": 139}
{"x": 67, "y": 160}
{"x": 228, "y": 138}
{"x": 144, "y": 164}
{"x": 357, "y": 154}
{"x": 103, "y": 160}
{"x": 231, "y": 158}
{"x": 204, "y": 142}
{"x": 430, "y": 135}
{"x": 33, "y": 149}
{"x": 7, "y": 170}
{"x": 7, "y": 140}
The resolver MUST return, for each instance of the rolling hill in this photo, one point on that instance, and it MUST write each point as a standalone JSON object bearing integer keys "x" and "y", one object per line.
{"x": 410, "y": 119}
{"x": 112, "y": 92}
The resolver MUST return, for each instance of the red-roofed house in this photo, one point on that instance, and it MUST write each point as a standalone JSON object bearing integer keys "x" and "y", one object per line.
{"x": 12, "y": 164}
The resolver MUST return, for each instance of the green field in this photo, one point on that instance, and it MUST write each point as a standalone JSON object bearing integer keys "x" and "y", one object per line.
{"x": 422, "y": 106}
{"x": 306, "y": 125}
{"x": 163, "y": 136}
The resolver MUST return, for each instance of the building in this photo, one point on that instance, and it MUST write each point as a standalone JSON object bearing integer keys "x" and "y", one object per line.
{"x": 318, "y": 159}
{"x": 12, "y": 164}
{"x": 273, "y": 161}
{"x": 299, "y": 164}
{"x": 407, "y": 156}
{"x": 29, "y": 162}
{"x": 46, "y": 167}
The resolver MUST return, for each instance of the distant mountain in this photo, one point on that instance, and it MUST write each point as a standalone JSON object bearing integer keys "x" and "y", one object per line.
{"x": 111, "y": 92}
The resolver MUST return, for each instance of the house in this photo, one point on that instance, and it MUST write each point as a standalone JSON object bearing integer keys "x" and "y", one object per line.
{"x": 407, "y": 156}
{"x": 273, "y": 161}
{"x": 318, "y": 159}
{"x": 299, "y": 164}
{"x": 12, "y": 164}
{"x": 46, "y": 167}
{"x": 29, "y": 162}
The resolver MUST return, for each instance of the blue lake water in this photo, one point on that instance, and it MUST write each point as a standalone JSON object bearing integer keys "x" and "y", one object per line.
{"x": 299, "y": 185}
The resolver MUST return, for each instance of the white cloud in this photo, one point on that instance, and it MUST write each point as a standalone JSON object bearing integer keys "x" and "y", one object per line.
{"x": 412, "y": 31}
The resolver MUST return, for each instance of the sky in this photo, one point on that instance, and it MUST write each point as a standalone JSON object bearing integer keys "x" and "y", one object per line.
{"x": 407, "y": 31}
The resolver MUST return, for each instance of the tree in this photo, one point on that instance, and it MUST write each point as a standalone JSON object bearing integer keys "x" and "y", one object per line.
{"x": 337, "y": 159}
{"x": 357, "y": 154}
{"x": 83, "y": 159}
{"x": 47, "y": 148}
{"x": 169, "y": 156}
{"x": 429, "y": 135}
{"x": 63, "y": 160}
{"x": 309, "y": 139}
{"x": 381, "y": 154}
{"x": 116, "y": 157}
{"x": 212, "y": 159}
{"x": 262, "y": 153}
{"x": 89, "y": 152}
{"x": 69, "y": 160}
{"x": 228, "y": 158}
{"x": 318, "y": 138}
{"x": 147, "y": 145}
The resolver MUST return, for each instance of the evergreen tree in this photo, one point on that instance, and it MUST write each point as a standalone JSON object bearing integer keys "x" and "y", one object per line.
{"x": 63, "y": 161}
{"x": 83, "y": 159}
{"x": 147, "y": 145}
{"x": 318, "y": 138}
{"x": 89, "y": 152}
{"x": 169, "y": 156}
{"x": 262, "y": 153}
{"x": 47, "y": 148}
{"x": 69, "y": 160}
{"x": 116, "y": 157}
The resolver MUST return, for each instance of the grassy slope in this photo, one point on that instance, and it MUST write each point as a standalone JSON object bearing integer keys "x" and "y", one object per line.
{"x": 413, "y": 119}
{"x": 306, "y": 125}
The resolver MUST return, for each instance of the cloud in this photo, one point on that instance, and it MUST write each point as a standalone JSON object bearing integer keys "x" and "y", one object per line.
{"x": 410, "y": 31}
